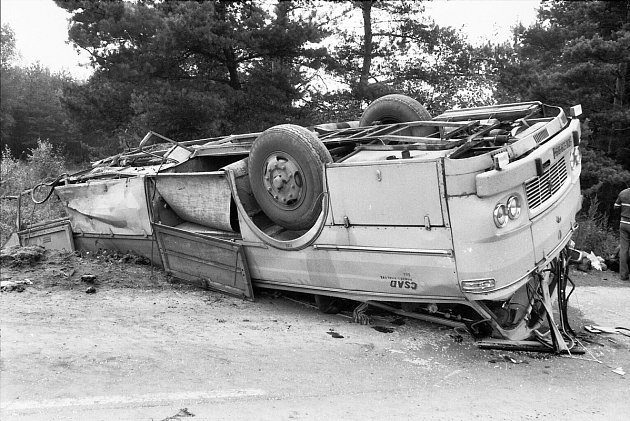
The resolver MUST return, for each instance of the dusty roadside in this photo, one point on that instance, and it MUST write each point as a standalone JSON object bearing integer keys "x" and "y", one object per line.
{"x": 143, "y": 348}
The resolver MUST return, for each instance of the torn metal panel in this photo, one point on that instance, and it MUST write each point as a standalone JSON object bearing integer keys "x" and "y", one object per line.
{"x": 116, "y": 207}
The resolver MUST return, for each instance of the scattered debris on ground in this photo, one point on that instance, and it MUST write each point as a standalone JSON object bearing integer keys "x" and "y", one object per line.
{"x": 335, "y": 334}
{"x": 37, "y": 268}
{"x": 383, "y": 329}
{"x": 183, "y": 413}
{"x": 8, "y": 286}
{"x": 114, "y": 256}
{"x": 88, "y": 278}
{"x": 507, "y": 358}
{"x": 17, "y": 256}
{"x": 585, "y": 262}
{"x": 619, "y": 370}
{"x": 605, "y": 329}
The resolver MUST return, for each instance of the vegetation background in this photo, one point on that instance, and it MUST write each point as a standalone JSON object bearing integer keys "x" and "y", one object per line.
{"x": 209, "y": 68}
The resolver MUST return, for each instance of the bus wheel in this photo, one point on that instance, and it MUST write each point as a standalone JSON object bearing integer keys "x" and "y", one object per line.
{"x": 395, "y": 108}
{"x": 286, "y": 167}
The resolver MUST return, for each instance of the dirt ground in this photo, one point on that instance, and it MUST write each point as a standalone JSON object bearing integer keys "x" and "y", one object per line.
{"x": 141, "y": 347}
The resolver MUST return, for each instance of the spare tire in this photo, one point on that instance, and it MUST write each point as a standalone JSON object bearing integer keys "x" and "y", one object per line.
{"x": 286, "y": 167}
{"x": 395, "y": 108}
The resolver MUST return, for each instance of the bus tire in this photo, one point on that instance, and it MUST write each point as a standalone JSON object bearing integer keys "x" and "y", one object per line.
{"x": 286, "y": 168}
{"x": 396, "y": 108}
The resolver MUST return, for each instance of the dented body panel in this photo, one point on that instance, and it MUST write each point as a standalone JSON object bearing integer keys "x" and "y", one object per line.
{"x": 117, "y": 207}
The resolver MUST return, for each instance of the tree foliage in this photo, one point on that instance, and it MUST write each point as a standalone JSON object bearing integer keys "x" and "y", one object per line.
{"x": 578, "y": 53}
{"x": 392, "y": 47}
{"x": 8, "y": 52}
{"x": 191, "y": 69}
{"x": 31, "y": 104}
{"x": 602, "y": 179}
{"x": 8, "y": 96}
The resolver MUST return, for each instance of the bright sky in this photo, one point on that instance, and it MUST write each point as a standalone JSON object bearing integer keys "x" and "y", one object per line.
{"x": 41, "y": 28}
{"x": 483, "y": 20}
{"x": 41, "y": 32}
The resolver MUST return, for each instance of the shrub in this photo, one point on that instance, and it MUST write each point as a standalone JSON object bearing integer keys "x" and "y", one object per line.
{"x": 594, "y": 233}
{"x": 602, "y": 178}
{"x": 42, "y": 164}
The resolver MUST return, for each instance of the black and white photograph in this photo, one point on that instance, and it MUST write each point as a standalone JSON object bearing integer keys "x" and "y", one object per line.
{"x": 314, "y": 210}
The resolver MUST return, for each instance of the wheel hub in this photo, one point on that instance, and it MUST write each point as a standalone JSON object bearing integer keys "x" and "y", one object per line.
{"x": 283, "y": 180}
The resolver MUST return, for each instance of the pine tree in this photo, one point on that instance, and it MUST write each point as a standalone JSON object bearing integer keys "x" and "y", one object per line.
{"x": 191, "y": 69}
{"x": 578, "y": 53}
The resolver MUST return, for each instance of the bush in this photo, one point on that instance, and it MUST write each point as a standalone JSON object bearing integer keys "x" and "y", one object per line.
{"x": 593, "y": 233}
{"x": 42, "y": 164}
{"x": 602, "y": 178}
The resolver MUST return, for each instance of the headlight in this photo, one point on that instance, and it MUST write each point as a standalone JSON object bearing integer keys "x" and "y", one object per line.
{"x": 513, "y": 207}
{"x": 500, "y": 215}
{"x": 576, "y": 157}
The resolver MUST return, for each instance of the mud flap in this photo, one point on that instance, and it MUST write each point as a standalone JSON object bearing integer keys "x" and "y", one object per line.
{"x": 203, "y": 260}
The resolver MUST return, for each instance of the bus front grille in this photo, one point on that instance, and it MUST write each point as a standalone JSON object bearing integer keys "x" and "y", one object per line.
{"x": 540, "y": 189}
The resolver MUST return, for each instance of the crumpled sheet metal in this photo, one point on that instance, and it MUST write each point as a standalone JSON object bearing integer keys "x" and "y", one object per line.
{"x": 114, "y": 207}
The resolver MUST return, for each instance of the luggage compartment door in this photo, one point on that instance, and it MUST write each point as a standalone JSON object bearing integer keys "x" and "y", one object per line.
{"x": 205, "y": 261}
{"x": 396, "y": 193}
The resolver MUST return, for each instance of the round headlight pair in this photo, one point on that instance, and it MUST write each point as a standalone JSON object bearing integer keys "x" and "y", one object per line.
{"x": 503, "y": 212}
{"x": 576, "y": 157}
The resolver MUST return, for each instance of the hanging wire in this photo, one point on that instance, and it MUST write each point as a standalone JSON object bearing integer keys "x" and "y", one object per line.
{"x": 51, "y": 184}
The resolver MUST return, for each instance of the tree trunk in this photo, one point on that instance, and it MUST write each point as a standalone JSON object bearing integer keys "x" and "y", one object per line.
{"x": 620, "y": 85}
{"x": 232, "y": 67}
{"x": 228, "y": 52}
{"x": 366, "y": 8}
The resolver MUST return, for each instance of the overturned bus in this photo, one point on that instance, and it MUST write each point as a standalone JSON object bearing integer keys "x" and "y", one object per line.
{"x": 463, "y": 219}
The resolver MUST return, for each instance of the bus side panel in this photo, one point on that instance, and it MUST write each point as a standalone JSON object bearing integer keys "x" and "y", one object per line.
{"x": 342, "y": 260}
